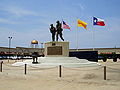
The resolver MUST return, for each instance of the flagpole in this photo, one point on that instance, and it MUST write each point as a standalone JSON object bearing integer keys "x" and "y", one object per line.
{"x": 93, "y": 35}
{"x": 93, "y": 39}
{"x": 62, "y": 20}
{"x": 77, "y": 38}
{"x": 77, "y": 41}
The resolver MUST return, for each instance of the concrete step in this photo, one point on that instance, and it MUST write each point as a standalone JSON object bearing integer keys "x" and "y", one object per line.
{"x": 61, "y": 60}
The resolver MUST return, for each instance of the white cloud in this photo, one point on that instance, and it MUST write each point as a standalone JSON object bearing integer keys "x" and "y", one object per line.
{"x": 15, "y": 15}
{"x": 7, "y": 21}
{"x": 81, "y": 6}
{"x": 19, "y": 11}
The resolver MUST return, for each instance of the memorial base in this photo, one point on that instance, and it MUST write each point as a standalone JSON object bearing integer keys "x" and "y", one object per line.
{"x": 57, "y": 49}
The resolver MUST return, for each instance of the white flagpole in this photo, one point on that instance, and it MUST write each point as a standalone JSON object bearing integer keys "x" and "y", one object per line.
{"x": 77, "y": 38}
{"x": 93, "y": 39}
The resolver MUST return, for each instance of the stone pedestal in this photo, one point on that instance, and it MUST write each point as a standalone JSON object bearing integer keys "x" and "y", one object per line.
{"x": 57, "y": 49}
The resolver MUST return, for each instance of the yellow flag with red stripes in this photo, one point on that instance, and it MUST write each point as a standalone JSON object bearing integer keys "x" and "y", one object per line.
{"x": 81, "y": 23}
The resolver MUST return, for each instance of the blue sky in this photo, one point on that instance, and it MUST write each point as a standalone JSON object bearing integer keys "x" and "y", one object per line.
{"x": 26, "y": 20}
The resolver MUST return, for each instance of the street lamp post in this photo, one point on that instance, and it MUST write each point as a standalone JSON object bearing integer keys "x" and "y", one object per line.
{"x": 41, "y": 49}
{"x": 10, "y": 38}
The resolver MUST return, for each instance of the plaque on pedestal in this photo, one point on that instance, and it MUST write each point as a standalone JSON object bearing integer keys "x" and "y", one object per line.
{"x": 57, "y": 49}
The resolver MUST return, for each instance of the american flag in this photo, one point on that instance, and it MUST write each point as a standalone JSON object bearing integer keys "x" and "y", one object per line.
{"x": 65, "y": 26}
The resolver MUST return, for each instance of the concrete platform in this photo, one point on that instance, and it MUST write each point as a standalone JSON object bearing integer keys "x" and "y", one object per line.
{"x": 45, "y": 62}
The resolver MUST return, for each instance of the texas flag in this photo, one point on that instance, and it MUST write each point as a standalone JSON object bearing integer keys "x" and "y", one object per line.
{"x": 98, "y": 21}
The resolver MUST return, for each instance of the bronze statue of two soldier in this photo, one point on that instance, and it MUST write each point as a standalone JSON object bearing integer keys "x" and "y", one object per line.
{"x": 56, "y": 31}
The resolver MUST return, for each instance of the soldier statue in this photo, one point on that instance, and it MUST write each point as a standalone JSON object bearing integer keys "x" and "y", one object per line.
{"x": 59, "y": 30}
{"x": 53, "y": 31}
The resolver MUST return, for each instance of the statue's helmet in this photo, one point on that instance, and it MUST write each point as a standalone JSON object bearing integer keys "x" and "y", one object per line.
{"x": 51, "y": 24}
{"x": 57, "y": 22}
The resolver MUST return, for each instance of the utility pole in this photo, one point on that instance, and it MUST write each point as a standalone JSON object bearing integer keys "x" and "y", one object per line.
{"x": 10, "y": 38}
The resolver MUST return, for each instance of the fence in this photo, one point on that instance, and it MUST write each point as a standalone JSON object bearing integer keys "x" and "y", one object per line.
{"x": 26, "y": 68}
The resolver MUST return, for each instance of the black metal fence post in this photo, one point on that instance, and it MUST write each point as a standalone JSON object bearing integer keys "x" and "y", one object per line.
{"x": 104, "y": 72}
{"x": 25, "y": 69}
{"x": 60, "y": 71}
{"x": 1, "y": 66}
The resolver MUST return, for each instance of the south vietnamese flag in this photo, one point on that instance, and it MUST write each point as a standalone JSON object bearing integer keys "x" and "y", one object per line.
{"x": 81, "y": 23}
{"x": 98, "y": 21}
